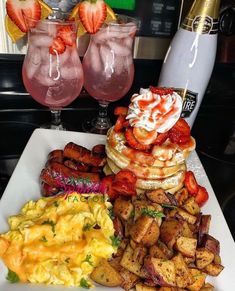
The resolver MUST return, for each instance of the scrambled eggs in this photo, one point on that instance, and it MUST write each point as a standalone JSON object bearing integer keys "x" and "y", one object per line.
{"x": 59, "y": 240}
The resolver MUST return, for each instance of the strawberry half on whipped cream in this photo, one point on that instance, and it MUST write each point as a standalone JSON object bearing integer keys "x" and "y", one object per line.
{"x": 155, "y": 109}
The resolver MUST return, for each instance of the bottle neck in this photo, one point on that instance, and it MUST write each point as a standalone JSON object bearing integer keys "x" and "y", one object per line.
{"x": 203, "y": 17}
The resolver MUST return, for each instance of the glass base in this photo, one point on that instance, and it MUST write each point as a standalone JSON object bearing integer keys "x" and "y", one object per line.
{"x": 97, "y": 126}
{"x": 61, "y": 126}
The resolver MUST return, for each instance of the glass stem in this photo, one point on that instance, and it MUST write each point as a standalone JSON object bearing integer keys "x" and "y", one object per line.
{"x": 56, "y": 117}
{"x": 103, "y": 122}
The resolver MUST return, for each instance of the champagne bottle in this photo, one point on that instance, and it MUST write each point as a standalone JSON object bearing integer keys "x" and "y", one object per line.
{"x": 190, "y": 58}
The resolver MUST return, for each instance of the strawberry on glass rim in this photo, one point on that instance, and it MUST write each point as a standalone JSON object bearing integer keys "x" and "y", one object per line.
{"x": 17, "y": 10}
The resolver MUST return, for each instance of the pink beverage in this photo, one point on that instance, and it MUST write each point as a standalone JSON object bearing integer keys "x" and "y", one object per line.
{"x": 53, "y": 75}
{"x": 108, "y": 63}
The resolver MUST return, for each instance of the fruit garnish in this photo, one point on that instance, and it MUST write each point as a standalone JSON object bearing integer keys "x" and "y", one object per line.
{"x": 132, "y": 141}
{"x": 75, "y": 14}
{"x": 57, "y": 46}
{"x": 106, "y": 186}
{"x": 121, "y": 110}
{"x": 191, "y": 183}
{"x": 180, "y": 132}
{"x": 126, "y": 176}
{"x": 202, "y": 196}
{"x": 67, "y": 35}
{"x": 161, "y": 90}
{"x": 16, "y": 26}
{"x": 123, "y": 188}
{"x": 119, "y": 125}
{"x": 161, "y": 138}
{"x": 143, "y": 136}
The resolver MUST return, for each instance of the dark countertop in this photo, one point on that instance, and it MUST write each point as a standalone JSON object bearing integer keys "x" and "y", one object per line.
{"x": 213, "y": 128}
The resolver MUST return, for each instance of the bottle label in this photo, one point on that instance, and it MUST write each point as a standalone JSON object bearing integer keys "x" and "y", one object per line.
{"x": 201, "y": 24}
{"x": 190, "y": 99}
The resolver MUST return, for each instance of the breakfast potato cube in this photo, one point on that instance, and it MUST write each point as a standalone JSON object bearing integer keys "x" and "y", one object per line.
{"x": 183, "y": 275}
{"x": 130, "y": 263}
{"x": 187, "y": 246}
{"x": 162, "y": 272}
{"x": 207, "y": 287}
{"x": 199, "y": 280}
{"x": 106, "y": 275}
{"x": 189, "y": 261}
{"x": 217, "y": 259}
{"x": 160, "y": 251}
{"x": 140, "y": 228}
{"x": 129, "y": 279}
{"x": 143, "y": 287}
{"x": 139, "y": 205}
{"x": 123, "y": 208}
{"x": 181, "y": 196}
{"x": 187, "y": 216}
{"x": 169, "y": 289}
{"x": 170, "y": 230}
{"x": 152, "y": 235}
{"x": 203, "y": 258}
{"x": 187, "y": 232}
{"x": 213, "y": 269}
{"x": 158, "y": 196}
{"x": 211, "y": 244}
{"x": 203, "y": 227}
{"x": 191, "y": 206}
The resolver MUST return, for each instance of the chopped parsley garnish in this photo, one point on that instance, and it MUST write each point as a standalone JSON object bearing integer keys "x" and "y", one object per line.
{"x": 115, "y": 241}
{"x": 84, "y": 284}
{"x": 51, "y": 223}
{"x": 87, "y": 227}
{"x": 111, "y": 215}
{"x": 88, "y": 260}
{"x": 152, "y": 213}
{"x": 43, "y": 239}
{"x": 12, "y": 277}
{"x": 56, "y": 203}
{"x": 169, "y": 206}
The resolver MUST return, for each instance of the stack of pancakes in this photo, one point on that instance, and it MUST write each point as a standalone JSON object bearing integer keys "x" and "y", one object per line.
{"x": 163, "y": 167}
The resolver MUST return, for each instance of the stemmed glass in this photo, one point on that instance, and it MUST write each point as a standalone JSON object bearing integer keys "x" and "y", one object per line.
{"x": 52, "y": 71}
{"x": 108, "y": 68}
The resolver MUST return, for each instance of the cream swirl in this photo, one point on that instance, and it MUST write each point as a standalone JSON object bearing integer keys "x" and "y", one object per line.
{"x": 154, "y": 112}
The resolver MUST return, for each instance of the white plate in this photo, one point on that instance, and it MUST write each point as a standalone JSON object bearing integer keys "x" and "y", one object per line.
{"x": 24, "y": 185}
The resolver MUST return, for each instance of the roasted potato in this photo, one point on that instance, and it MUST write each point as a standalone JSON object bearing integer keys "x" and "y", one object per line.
{"x": 213, "y": 269}
{"x": 182, "y": 272}
{"x": 199, "y": 280}
{"x": 186, "y": 246}
{"x": 106, "y": 275}
{"x": 170, "y": 230}
{"x": 187, "y": 216}
{"x": 203, "y": 258}
{"x": 143, "y": 287}
{"x": 191, "y": 206}
{"x": 129, "y": 279}
{"x": 152, "y": 235}
{"x": 140, "y": 228}
{"x": 122, "y": 208}
{"x": 158, "y": 196}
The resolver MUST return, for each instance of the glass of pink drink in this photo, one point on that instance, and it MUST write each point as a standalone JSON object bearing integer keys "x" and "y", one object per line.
{"x": 108, "y": 68}
{"x": 52, "y": 71}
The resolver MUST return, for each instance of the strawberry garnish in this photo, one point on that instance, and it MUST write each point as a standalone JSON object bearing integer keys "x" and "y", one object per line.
{"x": 126, "y": 176}
{"x": 92, "y": 14}
{"x": 191, "y": 183}
{"x": 202, "y": 196}
{"x": 17, "y": 9}
{"x": 143, "y": 136}
{"x": 57, "y": 46}
{"x": 123, "y": 188}
{"x": 161, "y": 90}
{"x": 106, "y": 186}
{"x": 161, "y": 138}
{"x": 119, "y": 125}
{"x": 121, "y": 110}
{"x": 180, "y": 132}
{"x": 67, "y": 35}
{"x": 132, "y": 141}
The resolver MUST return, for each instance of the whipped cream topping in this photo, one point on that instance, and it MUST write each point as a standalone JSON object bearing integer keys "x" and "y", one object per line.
{"x": 154, "y": 112}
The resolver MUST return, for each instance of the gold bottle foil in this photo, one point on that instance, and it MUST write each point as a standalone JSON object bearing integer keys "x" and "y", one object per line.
{"x": 203, "y": 17}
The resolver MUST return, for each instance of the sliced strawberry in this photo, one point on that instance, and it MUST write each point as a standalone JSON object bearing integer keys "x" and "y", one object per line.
{"x": 131, "y": 140}
{"x": 126, "y": 176}
{"x": 16, "y": 9}
{"x": 191, "y": 183}
{"x": 143, "y": 136}
{"x": 120, "y": 110}
{"x": 67, "y": 35}
{"x": 123, "y": 188}
{"x": 161, "y": 90}
{"x": 106, "y": 186}
{"x": 92, "y": 14}
{"x": 161, "y": 138}
{"x": 180, "y": 132}
{"x": 119, "y": 125}
{"x": 57, "y": 46}
{"x": 202, "y": 196}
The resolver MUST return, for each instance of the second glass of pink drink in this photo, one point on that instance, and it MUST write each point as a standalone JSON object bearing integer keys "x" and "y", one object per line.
{"x": 52, "y": 71}
{"x": 108, "y": 68}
